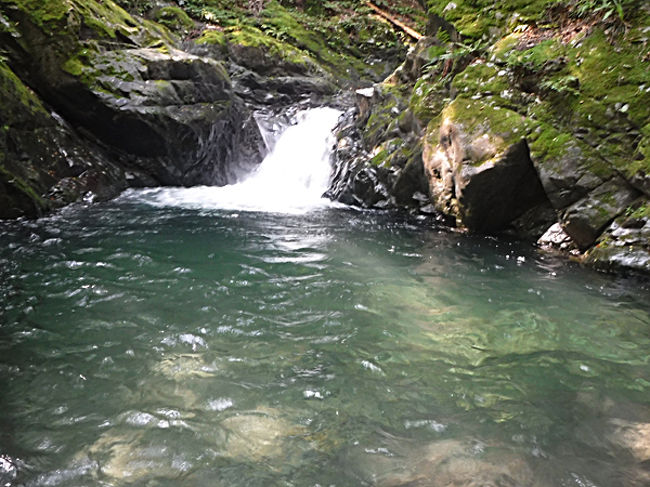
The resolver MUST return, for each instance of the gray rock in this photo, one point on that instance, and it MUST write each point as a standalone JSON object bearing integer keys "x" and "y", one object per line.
{"x": 174, "y": 113}
{"x": 565, "y": 177}
{"x": 555, "y": 237}
{"x": 410, "y": 182}
{"x": 584, "y": 220}
{"x": 624, "y": 244}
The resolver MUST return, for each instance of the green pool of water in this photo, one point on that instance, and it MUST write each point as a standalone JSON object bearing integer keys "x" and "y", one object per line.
{"x": 144, "y": 346}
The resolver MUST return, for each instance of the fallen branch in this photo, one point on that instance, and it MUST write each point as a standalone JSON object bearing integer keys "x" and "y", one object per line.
{"x": 415, "y": 35}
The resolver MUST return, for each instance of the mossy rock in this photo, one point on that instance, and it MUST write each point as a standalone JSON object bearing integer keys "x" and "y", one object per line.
{"x": 613, "y": 72}
{"x": 428, "y": 98}
{"x": 325, "y": 42}
{"x": 481, "y": 80}
{"x": 70, "y": 23}
{"x": 212, "y": 37}
{"x": 478, "y": 164}
{"x": 19, "y": 109}
{"x": 486, "y": 19}
{"x": 37, "y": 152}
{"x": 568, "y": 168}
{"x": 586, "y": 219}
{"x": 253, "y": 37}
{"x": 497, "y": 126}
{"x": 175, "y": 19}
{"x": 347, "y": 44}
{"x": 106, "y": 19}
{"x": 626, "y": 242}
{"x": 19, "y": 101}
{"x": 536, "y": 57}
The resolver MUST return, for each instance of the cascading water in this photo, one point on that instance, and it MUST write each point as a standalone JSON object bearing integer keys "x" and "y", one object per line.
{"x": 291, "y": 179}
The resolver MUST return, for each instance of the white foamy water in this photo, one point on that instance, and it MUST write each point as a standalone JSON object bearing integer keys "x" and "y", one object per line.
{"x": 291, "y": 179}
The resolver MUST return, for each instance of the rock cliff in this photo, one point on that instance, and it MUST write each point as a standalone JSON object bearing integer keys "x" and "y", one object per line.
{"x": 518, "y": 118}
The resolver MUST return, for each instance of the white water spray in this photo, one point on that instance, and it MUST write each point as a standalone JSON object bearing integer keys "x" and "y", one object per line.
{"x": 291, "y": 179}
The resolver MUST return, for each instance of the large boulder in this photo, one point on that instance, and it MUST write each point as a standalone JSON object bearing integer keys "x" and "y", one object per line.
{"x": 479, "y": 167}
{"x": 173, "y": 112}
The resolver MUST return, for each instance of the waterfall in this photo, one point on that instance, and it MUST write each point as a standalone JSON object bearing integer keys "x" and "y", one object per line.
{"x": 291, "y": 179}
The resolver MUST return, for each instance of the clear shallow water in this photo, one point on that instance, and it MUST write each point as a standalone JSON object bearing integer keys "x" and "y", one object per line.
{"x": 181, "y": 347}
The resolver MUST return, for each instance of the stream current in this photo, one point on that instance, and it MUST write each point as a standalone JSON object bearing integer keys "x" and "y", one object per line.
{"x": 238, "y": 337}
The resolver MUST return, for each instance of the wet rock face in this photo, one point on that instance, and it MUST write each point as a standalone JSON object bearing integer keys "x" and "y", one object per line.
{"x": 378, "y": 158}
{"x": 625, "y": 243}
{"x": 172, "y": 112}
{"x": 44, "y": 164}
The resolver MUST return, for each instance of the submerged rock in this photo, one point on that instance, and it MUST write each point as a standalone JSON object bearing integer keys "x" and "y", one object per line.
{"x": 448, "y": 463}
{"x": 260, "y": 434}
{"x": 631, "y": 436}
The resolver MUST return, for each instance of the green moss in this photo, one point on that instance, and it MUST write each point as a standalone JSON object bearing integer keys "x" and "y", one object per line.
{"x": 428, "y": 98}
{"x": 480, "y": 79}
{"x": 80, "y": 65}
{"x": 277, "y": 21}
{"x": 379, "y": 158}
{"x": 478, "y": 117}
{"x": 61, "y": 18}
{"x": 213, "y": 36}
{"x": 338, "y": 38}
{"x": 174, "y": 18}
{"x": 17, "y": 99}
{"x": 483, "y": 18}
{"x": 254, "y": 37}
{"x": 74, "y": 66}
{"x": 552, "y": 147}
{"x": 537, "y": 56}
{"x": 504, "y": 47}
{"x": 642, "y": 164}
{"x": 613, "y": 74}
{"x": 327, "y": 41}
{"x": 43, "y": 12}
{"x": 642, "y": 211}
{"x": 644, "y": 150}
{"x": 383, "y": 116}
{"x": 548, "y": 143}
